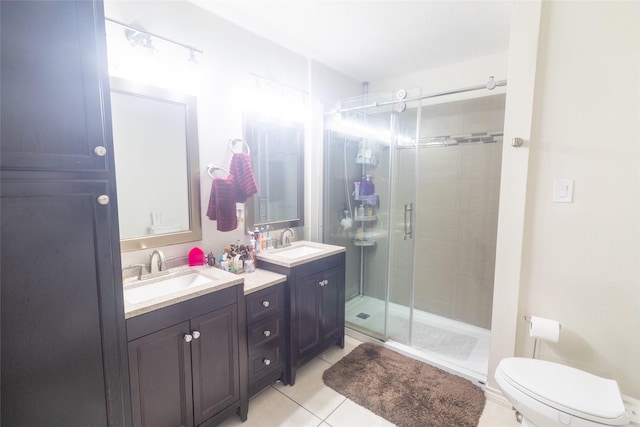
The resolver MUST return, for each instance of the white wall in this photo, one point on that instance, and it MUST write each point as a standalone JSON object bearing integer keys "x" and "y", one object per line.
{"x": 581, "y": 260}
{"x": 231, "y": 55}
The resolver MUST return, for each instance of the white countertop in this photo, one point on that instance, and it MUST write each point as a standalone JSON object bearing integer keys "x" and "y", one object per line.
{"x": 299, "y": 252}
{"x": 260, "y": 279}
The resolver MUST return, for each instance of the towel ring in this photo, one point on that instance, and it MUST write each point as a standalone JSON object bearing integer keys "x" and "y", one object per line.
{"x": 211, "y": 170}
{"x": 234, "y": 141}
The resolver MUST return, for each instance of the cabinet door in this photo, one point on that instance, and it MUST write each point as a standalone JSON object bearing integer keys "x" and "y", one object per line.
{"x": 215, "y": 359}
{"x": 52, "y": 55}
{"x": 308, "y": 314}
{"x": 160, "y": 370}
{"x": 59, "y": 327}
{"x": 332, "y": 324}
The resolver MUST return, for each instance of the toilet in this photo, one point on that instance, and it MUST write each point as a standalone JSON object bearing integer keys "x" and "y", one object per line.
{"x": 548, "y": 394}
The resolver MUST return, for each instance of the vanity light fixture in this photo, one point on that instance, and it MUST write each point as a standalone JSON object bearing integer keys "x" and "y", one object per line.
{"x": 276, "y": 100}
{"x": 192, "y": 56}
{"x": 138, "y": 37}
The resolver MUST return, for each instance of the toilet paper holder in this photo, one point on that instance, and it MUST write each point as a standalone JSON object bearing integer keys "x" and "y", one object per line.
{"x": 528, "y": 320}
{"x": 535, "y": 340}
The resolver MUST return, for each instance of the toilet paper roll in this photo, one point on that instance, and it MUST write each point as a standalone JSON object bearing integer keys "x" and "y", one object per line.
{"x": 544, "y": 329}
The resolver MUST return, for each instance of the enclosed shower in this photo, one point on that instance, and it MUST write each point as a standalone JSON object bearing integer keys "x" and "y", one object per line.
{"x": 411, "y": 190}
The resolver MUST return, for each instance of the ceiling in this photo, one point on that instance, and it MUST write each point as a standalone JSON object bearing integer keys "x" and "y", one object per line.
{"x": 370, "y": 40}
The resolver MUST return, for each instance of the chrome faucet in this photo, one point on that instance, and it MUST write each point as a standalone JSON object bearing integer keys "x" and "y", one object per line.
{"x": 160, "y": 264}
{"x": 286, "y": 242}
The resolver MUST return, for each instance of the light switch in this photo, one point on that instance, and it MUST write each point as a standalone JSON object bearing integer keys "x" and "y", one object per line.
{"x": 563, "y": 191}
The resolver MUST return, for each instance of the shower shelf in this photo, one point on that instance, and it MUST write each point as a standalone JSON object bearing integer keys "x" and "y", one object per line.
{"x": 371, "y": 199}
{"x": 372, "y": 162}
{"x": 366, "y": 218}
{"x": 364, "y": 242}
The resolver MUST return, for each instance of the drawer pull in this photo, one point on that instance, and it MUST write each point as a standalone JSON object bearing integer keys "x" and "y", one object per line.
{"x": 100, "y": 151}
{"x": 188, "y": 337}
{"x": 195, "y": 334}
{"x": 266, "y": 361}
{"x": 267, "y": 333}
{"x": 266, "y": 303}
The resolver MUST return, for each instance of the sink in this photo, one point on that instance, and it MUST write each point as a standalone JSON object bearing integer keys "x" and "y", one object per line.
{"x": 298, "y": 251}
{"x": 166, "y": 286}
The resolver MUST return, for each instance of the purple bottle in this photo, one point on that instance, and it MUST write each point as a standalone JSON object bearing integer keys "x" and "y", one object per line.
{"x": 366, "y": 187}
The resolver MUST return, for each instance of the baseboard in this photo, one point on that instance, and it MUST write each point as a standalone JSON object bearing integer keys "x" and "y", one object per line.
{"x": 495, "y": 395}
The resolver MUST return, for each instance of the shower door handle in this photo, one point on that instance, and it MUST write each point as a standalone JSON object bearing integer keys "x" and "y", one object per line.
{"x": 408, "y": 221}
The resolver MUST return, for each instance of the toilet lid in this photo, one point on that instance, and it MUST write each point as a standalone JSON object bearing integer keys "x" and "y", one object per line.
{"x": 566, "y": 389}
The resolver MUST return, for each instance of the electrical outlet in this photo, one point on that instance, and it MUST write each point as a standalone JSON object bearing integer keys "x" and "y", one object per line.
{"x": 632, "y": 407}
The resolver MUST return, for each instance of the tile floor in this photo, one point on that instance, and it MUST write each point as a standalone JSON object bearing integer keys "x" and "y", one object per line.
{"x": 310, "y": 403}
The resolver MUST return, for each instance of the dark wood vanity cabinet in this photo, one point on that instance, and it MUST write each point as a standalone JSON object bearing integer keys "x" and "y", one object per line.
{"x": 185, "y": 361}
{"x": 318, "y": 298}
{"x": 266, "y": 335}
{"x": 316, "y": 295}
{"x": 62, "y": 342}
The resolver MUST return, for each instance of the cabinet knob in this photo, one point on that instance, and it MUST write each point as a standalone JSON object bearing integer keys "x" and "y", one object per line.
{"x": 323, "y": 283}
{"x": 103, "y": 199}
{"x": 100, "y": 151}
{"x": 195, "y": 334}
{"x": 188, "y": 337}
{"x": 266, "y": 361}
{"x": 267, "y": 333}
{"x": 265, "y": 303}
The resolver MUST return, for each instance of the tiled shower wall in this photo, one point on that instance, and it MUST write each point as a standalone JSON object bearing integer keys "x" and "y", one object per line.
{"x": 456, "y": 213}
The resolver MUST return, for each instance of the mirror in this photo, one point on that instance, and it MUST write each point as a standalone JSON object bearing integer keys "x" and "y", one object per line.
{"x": 277, "y": 158}
{"x": 155, "y": 138}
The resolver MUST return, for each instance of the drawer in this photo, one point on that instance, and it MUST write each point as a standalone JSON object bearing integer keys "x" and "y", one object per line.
{"x": 173, "y": 314}
{"x": 267, "y": 330}
{"x": 264, "y": 303}
{"x": 267, "y": 360}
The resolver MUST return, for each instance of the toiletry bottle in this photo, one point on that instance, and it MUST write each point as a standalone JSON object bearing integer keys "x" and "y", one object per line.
{"x": 361, "y": 211}
{"x": 370, "y": 187}
{"x": 256, "y": 239}
{"x": 262, "y": 238}
{"x": 266, "y": 244}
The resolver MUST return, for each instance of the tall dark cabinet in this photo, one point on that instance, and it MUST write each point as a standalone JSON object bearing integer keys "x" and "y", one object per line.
{"x": 63, "y": 352}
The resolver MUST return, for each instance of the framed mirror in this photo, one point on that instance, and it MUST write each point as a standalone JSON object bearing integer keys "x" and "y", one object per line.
{"x": 155, "y": 137}
{"x": 277, "y": 158}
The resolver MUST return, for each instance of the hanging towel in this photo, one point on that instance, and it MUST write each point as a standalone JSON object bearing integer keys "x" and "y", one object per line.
{"x": 222, "y": 204}
{"x": 245, "y": 183}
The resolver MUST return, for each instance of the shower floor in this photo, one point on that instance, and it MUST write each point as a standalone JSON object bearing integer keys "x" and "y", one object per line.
{"x": 449, "y": 344}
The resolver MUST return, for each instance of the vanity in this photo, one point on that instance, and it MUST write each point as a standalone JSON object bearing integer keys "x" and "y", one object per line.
{"x": 315, "y": 293}
{"x": 201, "y": 341}
{"x": 186, "y": 342}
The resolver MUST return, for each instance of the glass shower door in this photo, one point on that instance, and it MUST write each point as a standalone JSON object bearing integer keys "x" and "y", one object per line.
{"x": 402, "y": 214}
{"x": 356, "y": 207}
